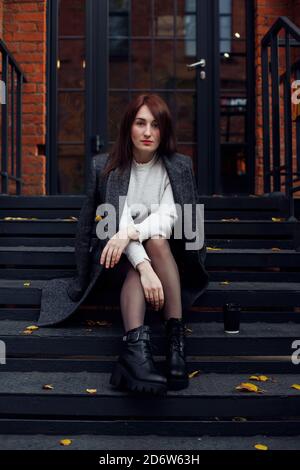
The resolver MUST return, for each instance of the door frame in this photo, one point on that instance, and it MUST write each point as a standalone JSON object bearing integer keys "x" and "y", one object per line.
{"x": 208, "y": 161}
{"x": 96, "y": 86}
{"x": 208, "y": 165}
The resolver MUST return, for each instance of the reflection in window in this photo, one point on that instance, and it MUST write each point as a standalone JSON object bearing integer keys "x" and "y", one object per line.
{"x": 118, "y": 28}
{"x": 225, "y": 9}
{"x": 190, "y": 28}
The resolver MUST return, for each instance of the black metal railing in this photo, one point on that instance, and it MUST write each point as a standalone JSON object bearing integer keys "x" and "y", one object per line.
{"x": 281, "y": 136}
{"x": 12, "y": 79}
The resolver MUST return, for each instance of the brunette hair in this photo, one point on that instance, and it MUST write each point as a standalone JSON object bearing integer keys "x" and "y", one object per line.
{"x": 121, "y": 152}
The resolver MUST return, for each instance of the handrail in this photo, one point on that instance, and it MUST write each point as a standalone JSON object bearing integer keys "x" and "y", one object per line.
{"x": 11, "y": 149}
{"x": 272, "y": 107}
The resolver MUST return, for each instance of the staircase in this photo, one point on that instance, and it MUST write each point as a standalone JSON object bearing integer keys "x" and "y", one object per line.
{"x": 252, "y": 260}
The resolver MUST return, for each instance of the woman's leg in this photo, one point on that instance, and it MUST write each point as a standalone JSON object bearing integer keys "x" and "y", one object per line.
{"x": 166, "y": 268}
{"x": 132, "y": 300}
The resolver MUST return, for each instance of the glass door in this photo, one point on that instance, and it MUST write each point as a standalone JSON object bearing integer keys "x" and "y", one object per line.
{"x": 198, "y": 55}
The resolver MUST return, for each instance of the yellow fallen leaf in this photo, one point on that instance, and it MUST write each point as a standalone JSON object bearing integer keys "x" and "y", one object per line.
{"x": 20, "y": 218}
{"x": 276, "y": 249}
{"x": 260, "y": 378}
{"x": 48, "y": 387}
{"x": 32, "y": 327}
{"x": 27, "y": 332}
{"x": 261, "y": 447}
{"x": 211, "y": 248}
{"x": 230, "y": 220}
{"x": 224, "y": 283}
{"x": 194, "y": 373}
{"x": 296, "y": 386}
{"x": 278, "y": 219}
{"x": 98, "y": 217}
{"x": 26, "y": 284}
{"x": 91, "y": 390}
{"x": 247, "y": 387}
{"x": 65, "y": 442}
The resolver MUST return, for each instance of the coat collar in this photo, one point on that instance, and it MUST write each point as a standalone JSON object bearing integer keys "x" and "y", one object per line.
{"x": 117, "y": 185}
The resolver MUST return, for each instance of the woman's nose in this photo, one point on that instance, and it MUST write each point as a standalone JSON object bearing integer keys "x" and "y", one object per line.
{"x": 148, "y": 131}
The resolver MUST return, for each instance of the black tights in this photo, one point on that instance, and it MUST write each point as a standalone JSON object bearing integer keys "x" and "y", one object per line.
{"x": 132, "y": 299}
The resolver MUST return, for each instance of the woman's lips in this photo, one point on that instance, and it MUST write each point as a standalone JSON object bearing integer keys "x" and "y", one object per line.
{"x": 147, "y": 142}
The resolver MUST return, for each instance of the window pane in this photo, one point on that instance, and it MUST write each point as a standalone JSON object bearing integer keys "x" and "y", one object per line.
{"x": 141, "y": 18}
{"x": 71, "y": 14}
{"x": 141, "y": 64}
{"x": 117, "y": 104}
{"x": 163, "y": 66}
{"x": 71, "y": 169}
{"x": 71, "y": 65}
{"x": 71, "y": 117}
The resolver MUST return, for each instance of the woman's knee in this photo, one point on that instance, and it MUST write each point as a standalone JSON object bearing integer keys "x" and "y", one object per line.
{"x": 157, "y": 247}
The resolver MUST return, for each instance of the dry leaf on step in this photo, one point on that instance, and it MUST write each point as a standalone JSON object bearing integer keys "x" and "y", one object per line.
{"x": 296, "y": 386}
{"x": 261, "y": 447}
{"x": 65, "y": 442}
{"x": 194, "y": 373}
{"x": 247, "y": 387}
{"x": 48, "y": 387}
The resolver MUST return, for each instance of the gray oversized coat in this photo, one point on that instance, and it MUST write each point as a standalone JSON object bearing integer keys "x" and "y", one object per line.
{"x": 61, "y": 297}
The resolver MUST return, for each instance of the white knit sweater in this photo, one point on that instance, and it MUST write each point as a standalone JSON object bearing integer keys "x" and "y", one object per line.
{"x": 149, "y": 185}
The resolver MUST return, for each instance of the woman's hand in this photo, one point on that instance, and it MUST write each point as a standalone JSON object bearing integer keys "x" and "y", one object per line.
{"x": 114, "y": 248}
{"x": 152, "y": 285}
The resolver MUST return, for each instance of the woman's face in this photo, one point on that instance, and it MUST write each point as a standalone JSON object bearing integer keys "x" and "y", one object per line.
{"x": 145, "y": 134}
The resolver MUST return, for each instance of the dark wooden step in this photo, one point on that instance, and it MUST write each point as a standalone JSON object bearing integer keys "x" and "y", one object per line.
{"x": 252, "y": 365}
{"x": 75, "y": 339}
{"x": 208, "y": 396}
{"x": 248, "y": 294}
{"x": 88, "y": 441}
{"x": 212, "y": 203}
{"x": 269, "y": 275}
{"x": 227, "y": 258}
{"x": 214, "y": 242}
{"x": 213, "y": 228}
{"x": 194, "y": 315}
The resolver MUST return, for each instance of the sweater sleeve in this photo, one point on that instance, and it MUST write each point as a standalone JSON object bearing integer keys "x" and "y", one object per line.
{"x": 161, "y": 221}
{"x": 134, "y": 251}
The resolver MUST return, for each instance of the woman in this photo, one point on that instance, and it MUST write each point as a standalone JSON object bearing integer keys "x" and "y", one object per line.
{"x": 143, "y": 167}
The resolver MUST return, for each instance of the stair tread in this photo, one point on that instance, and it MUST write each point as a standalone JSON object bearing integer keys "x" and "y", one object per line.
{"x": 76, "y": 383}
{"x": 154, "y": 442}
{"x": 248, "y": 285}
{"x": 199, "y": 330}
{"x": 71, "y": 249}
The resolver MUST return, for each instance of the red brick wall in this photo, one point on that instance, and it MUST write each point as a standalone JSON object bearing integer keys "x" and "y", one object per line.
{"x": 24, "y": 24}
{"x": 266, "y": 13}
{"x": 1, "y": 18}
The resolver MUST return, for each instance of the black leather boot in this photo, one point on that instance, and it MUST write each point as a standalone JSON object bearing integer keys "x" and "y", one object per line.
{"x": 135, "y": 368}
{"x": 177, "y": 373}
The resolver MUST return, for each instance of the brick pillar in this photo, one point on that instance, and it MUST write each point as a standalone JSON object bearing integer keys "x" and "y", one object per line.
{"x": 24, "y": 24}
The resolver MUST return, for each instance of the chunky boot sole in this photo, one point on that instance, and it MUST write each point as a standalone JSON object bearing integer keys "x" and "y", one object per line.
{"x": 122, "y": 379}
{"x": 177, "y": 383}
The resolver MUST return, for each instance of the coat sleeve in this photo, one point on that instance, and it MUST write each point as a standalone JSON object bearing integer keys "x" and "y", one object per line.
{"x": 83, "y": 238}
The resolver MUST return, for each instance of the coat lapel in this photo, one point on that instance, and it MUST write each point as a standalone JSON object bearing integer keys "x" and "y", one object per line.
{"x": 117, "y": 184}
